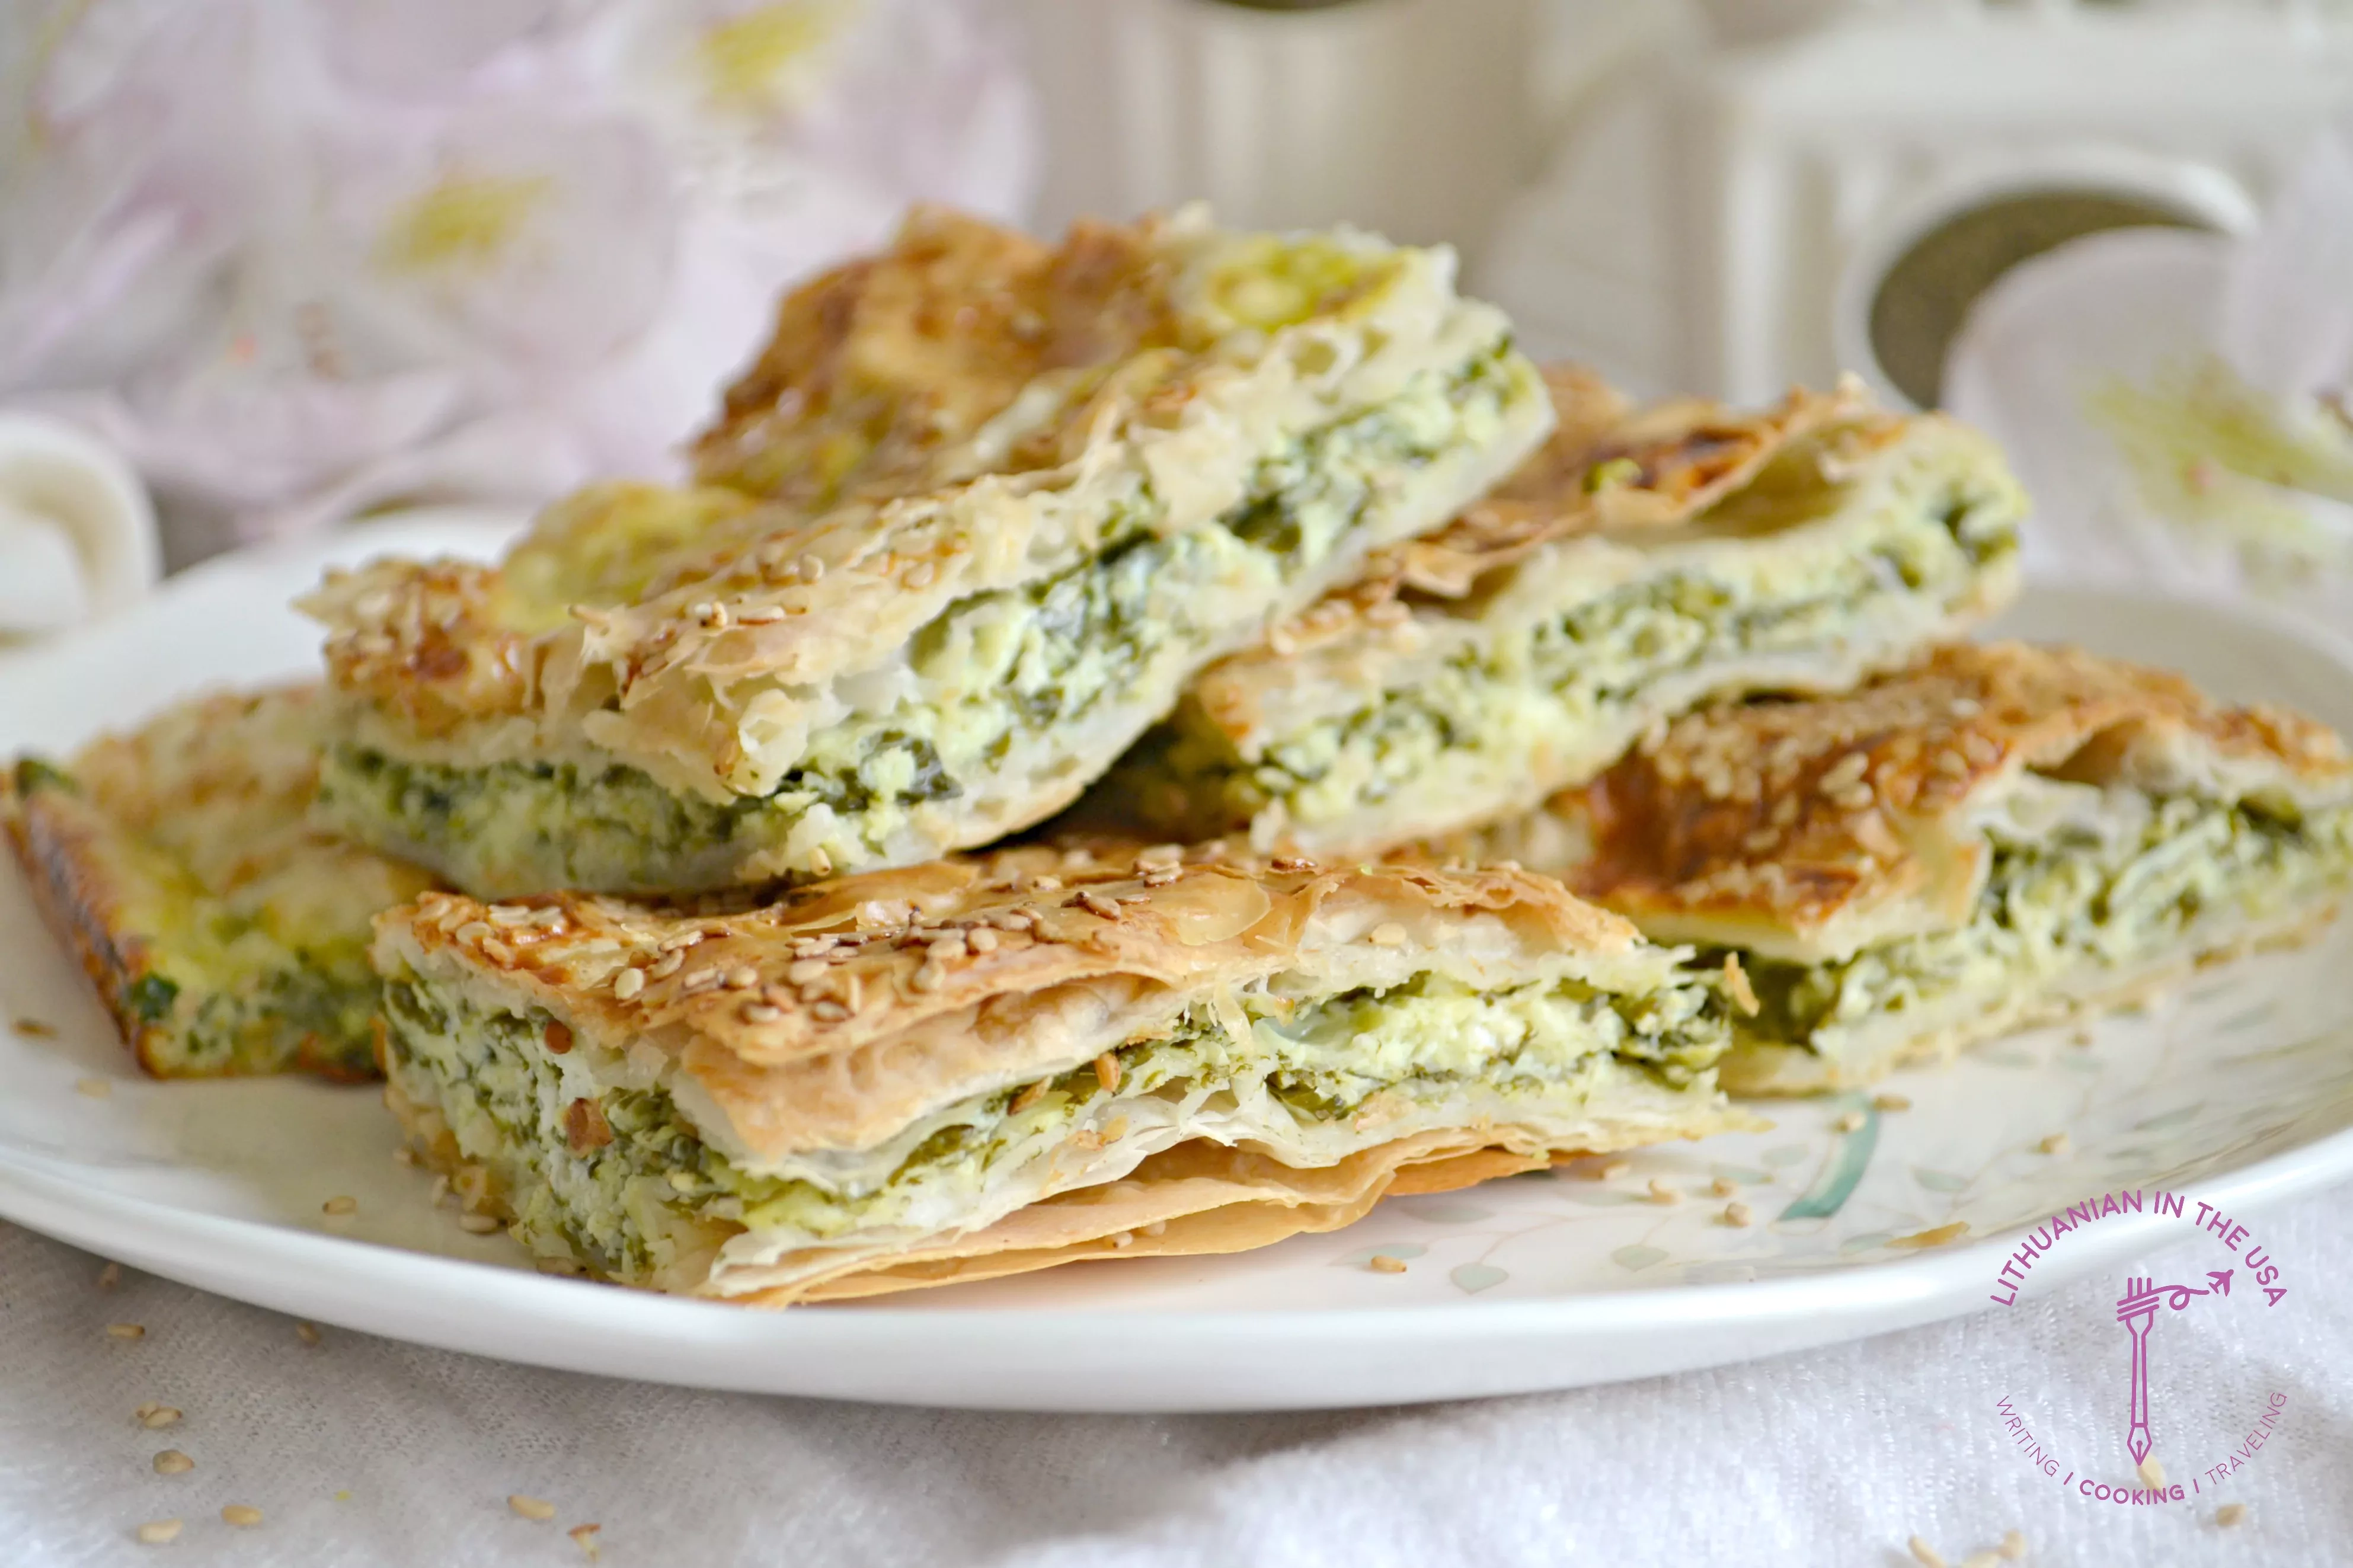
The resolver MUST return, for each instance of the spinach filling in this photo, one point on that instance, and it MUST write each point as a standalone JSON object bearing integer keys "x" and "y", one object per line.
{"x": 1577, "y": 674}
{"x": 1020, "y": 663}
{"x": 620, "y": 1205}
{"x": 2053, "y": 904}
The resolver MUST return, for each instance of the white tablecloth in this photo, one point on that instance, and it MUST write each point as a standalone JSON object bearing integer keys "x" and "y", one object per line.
{"x": 362, "y": 1451}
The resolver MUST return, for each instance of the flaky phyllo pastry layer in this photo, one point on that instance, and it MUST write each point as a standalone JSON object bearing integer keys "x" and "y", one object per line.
{"x": 970, "y": 523}
{"x": 2002, "y": 836}
{"x": 1643, "y": 562}
{"x": 966, "y": 1070}
{"x": 224, "y": 933}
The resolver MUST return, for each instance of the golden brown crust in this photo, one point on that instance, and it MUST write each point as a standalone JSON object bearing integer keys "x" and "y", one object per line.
{"x": 1789, "y": 817}
{"x": 66, "y": 847}
{"x": 1606, "y": 468}
{"x": 836, "y": 1015}
{"x": 880, "y": 364}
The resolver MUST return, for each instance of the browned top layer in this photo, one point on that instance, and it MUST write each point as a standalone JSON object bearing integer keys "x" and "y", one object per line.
{"x": 877, "y": 364}
{"x": 840, "y": 967}
{"x": 1791, "y": 815}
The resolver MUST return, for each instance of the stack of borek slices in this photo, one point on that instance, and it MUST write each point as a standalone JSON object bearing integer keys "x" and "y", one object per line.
{"x": 1148, "y": 745}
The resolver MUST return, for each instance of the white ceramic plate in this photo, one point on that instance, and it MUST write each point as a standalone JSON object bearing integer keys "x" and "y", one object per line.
{"x": 2239, "y": 1091}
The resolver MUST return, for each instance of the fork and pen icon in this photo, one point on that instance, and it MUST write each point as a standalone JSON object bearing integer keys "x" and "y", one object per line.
{"x": 2136, "y": 1310}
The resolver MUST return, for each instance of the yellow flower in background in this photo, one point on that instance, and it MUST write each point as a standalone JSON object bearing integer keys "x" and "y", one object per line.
{"x": 759, "y": 59}
{"x": 465, "y": 221}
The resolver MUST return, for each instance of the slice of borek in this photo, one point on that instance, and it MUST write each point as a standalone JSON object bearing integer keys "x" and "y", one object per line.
{"x": 2004, "y": 836}
{"x": 1641, "y": 563}
{"x": 977, "y": 514}
{"x": 966, "y": 1070}
{"x": 223, "y": 933}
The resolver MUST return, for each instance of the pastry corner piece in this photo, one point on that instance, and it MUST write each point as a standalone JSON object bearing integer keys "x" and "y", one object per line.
{"x": 974, "y": 516}
{"x": 973, "y": 1068}
{"x": 2003, "y": 836}
{"x": 223, "y": 933}
{"x": 1645, "y": 561}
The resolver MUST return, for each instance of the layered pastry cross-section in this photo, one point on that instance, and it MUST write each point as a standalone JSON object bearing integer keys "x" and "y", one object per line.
{"x": 224, "y": 933}
{"x": 2004, "y": 834}
{"x": 1643, "y": 562}
{"x": 967, "y": 527}
{"x": 979, "y": 1067}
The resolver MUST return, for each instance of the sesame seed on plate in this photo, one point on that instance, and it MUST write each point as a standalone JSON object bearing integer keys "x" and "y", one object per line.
{"x": 110, "y": 1277}
{"x": 172, "y": 1462}
{"x": 1723, "y": 1187}
{"x": 1925, "y": 1554}
{"x": 585, "y": 1534}
{"x": 1736, "y": 1214}
{"x": 1662, "y": 1193}
{"x": 155, "y": 1417}
{"x": 340, "y": 1205}
{"x": 1890, "y": 1103}
{"x": 125, "y": 1330}
{"x": 2054, "y": 1145}
{"x": 477, "y": 1224}
{"x": 242, "y": 1515}
{"x": 2229, "y": 1513}
{"x": 1107, "y": 1072}
{"x": 1614, "y": 1168}
{"x": 1982, "y": 1560}
{"x": 157, "y": 1532}
{"x": 2013, "y": 1544}
{"x": 95, "y": 1088}
{"x": 2150, "y": 1472}
{"x": 1382, "y": 1263}
{"x": 530, "y": 1507}
{"x": 32, "y": 1028}
{"x": 1850, "y": 1122}
{"x": 308, "y": 1334}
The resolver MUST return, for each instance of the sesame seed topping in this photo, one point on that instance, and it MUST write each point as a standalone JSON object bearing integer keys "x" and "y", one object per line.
{"x": 921, "y": 574}
{"x": 1095, "y": 904}
{"x": 742, "y": 977}
{"x": 981, "y": 940}
{"x": 126, "y": 1331}
{"x": 340, "y": 1205}
{"x": 629, "y": 983}
{"x": 678, "y": 942}
{"x": 172, "y": 1462}
{"x": 1388, "y": 934}
{"x": 1029, "y": 1096}
{"x": 1735, "y": 985}
{"x": 1382, "y": 1263}
{"x": 928, "y": 977}
{"x": 702, "y": 980}
{"x": 2054, "y": 1145}
{"x": 530, "y": 1507}
{"x": 497, "y": 952}
{"x": 829, "y": 1011}
{"x": 477, "y": 1224}
{"x": 474, "y": 930}
{"x": 1047, "y": 884}
{"x": 1107, "y": 1072}
{"x": 1291, "y": 863}
{"x": 812, "y": 569}
{"x": 821, "y": 865}
{"x": 762, "y": 1013}
{"x": 665, "y": 966}
{"x": 242, "y": 1515}
{"x": 157, "y": 1532}
{"x": 804, "y": 969}
{"x": 1735, "y": 1215}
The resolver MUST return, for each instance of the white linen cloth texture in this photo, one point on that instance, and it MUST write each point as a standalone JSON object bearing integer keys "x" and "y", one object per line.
{"x": 1827, "y": 1457}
